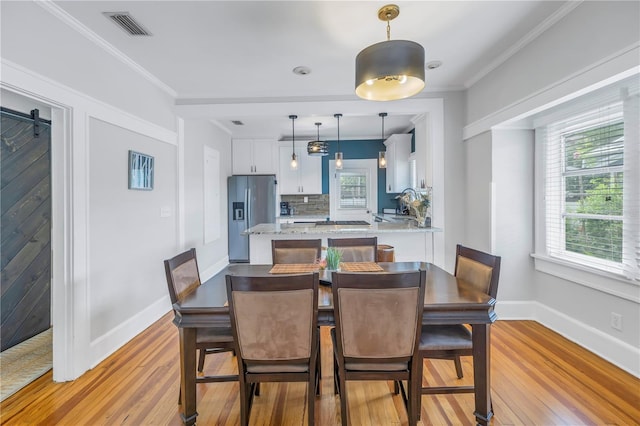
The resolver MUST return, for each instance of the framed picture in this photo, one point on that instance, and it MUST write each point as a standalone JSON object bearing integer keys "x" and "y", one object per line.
{"x": 140, "y": 171}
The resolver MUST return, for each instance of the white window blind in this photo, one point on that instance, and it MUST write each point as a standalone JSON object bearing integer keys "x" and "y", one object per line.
{"x": 353, "y": 190}
{"x": 592, "y": 181}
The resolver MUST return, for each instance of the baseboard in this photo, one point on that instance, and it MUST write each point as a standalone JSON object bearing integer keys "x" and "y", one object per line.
{"x": 107, "y": 344}
{"x": 617, "y": 352}
{"x": 214, "y": 269}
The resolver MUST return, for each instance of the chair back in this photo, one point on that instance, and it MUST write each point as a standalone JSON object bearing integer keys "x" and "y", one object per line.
{"x": 356, "y": 249}
{"x": 482, "y": 270}
{"x": 182, "y": 274}
{"x": 296, "y": 251}
{"x": 274, "y": 319}
{"x": 378, "y": 317}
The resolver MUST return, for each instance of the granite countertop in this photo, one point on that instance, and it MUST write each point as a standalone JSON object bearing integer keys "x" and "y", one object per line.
{"x": 312, "y": 228}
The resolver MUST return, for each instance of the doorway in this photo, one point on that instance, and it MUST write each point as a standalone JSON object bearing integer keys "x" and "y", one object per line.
{"x": 25, "y": 205}
{"x": 353, "y": 190}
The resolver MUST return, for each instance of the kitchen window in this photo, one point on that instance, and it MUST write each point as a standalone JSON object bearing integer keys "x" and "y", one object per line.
{"x": 590, "y": 196}
{"x": 353, "y": 190}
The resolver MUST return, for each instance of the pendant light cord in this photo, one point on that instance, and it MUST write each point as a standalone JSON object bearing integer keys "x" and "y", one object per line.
{"x": 383, "y": 115}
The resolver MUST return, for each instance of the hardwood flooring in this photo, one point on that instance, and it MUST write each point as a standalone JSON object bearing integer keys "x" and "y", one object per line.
{"x": 538, "y": 378}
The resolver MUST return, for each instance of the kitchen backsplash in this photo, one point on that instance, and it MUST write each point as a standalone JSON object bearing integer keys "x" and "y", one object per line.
{"x": 315, "y": 205}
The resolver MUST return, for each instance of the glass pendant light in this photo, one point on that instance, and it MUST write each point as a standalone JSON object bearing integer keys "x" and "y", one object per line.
{"x": 382, "y": 159}
{"x": 338, "y": 152}
{"x": 294, "y": 159}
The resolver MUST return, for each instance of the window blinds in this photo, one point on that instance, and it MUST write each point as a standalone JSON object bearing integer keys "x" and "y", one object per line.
{"x": 592, "y": 180}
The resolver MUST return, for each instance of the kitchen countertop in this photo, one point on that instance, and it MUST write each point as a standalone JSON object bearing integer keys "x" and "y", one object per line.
{"x": 312, "y": 228}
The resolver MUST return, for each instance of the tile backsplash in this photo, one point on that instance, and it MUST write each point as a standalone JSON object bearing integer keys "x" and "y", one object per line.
{"x": 315, "y": 205}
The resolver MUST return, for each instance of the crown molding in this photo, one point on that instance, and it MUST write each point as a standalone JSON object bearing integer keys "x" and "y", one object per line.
{"x": 563, "y": 11}
{"x": 72, "y": 22}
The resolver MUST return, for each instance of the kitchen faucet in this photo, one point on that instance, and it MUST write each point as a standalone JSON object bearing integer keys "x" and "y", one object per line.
{"x": 414, "y": 196}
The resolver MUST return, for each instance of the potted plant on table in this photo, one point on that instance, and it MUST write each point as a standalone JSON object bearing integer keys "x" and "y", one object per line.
{"x": 333, "y": 258}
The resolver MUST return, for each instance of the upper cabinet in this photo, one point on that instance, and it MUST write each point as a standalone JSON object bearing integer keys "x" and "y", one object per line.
{"x": 255, "y": 156}
{"x": 306, "y": 179}
{"x": 397, "y": 156}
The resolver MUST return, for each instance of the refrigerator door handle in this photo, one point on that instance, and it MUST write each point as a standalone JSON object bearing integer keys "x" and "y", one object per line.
{"x": 247, "y": 202}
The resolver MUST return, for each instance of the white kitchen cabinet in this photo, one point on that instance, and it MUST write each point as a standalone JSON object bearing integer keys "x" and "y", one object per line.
{"x": 254, "y": 156}
{"x": 307, "y": 179}
{"x": 397, "y": 156}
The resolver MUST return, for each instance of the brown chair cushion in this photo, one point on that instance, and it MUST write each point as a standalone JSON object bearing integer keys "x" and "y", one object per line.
{"x": 475, "y": 273}
{"x": 256, "y": 312}
{"x": 377, "y": 323}
{"x": 295, "y": 255}
{"x": 445, "y": 337}
{"x": 185, "y": 278}
{"x": 358, "y": 254}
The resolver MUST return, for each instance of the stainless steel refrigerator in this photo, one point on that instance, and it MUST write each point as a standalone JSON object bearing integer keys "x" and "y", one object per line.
{"x": 252, "y": 200}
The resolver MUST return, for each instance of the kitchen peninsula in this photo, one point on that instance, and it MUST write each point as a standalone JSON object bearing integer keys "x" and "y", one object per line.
{"x": 410, "y": 242}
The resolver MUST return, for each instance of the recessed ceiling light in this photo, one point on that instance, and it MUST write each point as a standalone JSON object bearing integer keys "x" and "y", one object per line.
{"x": 433, "y": 65}
{"x": 302, "y": 70}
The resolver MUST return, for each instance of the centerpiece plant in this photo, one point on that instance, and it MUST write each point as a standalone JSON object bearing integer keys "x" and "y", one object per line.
{"x": 333, "y": 258}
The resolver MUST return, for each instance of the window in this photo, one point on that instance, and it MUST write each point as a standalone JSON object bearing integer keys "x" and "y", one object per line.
{"x": 592, "y": 184}
{"x": 353, "y": 190}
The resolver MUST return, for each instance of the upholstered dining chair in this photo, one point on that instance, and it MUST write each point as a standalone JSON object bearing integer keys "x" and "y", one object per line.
{"x": 356, "y": 249}
{"x": 296, "y": 251}
{"x": 182, "y": 278}
{"x": 481, "y": 270}
{"x": 378, "y": 321}
{"x": 274, "y": 320}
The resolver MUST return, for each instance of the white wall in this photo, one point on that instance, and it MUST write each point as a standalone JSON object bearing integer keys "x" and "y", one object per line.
{"x": 478, "y": 192}
{"x": 512, "y": 210}
{"x": 128, "y": 237}
{"x": 595, "y": 42}
{"x": 212, "y": 256}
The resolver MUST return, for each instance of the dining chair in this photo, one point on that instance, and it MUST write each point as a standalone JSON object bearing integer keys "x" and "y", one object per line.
{"x": 182, "y": 278}
{"x": 482, "y": 271}
{"x": 296, "y": 251}
{"x": 377, "y": 332}
{"x": 356, "y": 249}
{"x": 274, "y": 320}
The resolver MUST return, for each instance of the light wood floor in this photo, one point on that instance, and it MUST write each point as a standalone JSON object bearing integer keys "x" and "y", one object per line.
{"x": 538, "y": 378}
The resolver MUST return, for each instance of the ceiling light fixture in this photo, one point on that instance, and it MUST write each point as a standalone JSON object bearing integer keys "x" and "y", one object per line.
{"x": 318, "y": 147}
{"x": 338, "y": 152}
{"x": 382, "y": 155}
{"x": 294, "y": 159}
{"x": 392, "y": 69}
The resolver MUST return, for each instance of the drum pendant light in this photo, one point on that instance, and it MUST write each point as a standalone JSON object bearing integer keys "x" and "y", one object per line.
{"x": 392, "y": 69}
{"x": 382, "y": 155}
{"x": 294, "y": 158}
{"x": 318, "y": 147}
{"x": 338, "y": 152}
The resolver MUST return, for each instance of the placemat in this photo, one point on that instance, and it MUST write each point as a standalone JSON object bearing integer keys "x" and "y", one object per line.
{"x": 293, "y": 268}
{"x": 361, "y": 267}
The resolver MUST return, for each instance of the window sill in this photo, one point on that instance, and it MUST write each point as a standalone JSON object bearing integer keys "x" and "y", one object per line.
{"x": 605, "y": 282}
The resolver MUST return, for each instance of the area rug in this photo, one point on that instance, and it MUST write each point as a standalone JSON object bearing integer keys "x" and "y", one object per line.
{"x": 25, "y": 362}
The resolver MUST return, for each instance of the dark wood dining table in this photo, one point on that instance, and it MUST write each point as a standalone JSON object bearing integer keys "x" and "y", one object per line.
{"x": 448, "y": 300}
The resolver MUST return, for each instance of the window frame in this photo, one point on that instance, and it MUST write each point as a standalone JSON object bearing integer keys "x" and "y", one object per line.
{"x": 604, "y": 275}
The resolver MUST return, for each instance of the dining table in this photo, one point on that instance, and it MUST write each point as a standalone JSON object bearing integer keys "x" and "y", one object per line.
{"x": 447, "y": 300}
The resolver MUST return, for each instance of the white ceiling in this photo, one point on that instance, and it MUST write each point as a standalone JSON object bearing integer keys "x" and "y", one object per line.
{"x": 212, "y": 54}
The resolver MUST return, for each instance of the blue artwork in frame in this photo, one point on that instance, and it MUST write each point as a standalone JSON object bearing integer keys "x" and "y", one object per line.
{"x": 140, "y": 171}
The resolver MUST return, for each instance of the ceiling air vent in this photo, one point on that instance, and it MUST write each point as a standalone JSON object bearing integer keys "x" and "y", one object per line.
{"x": 125, "y": 21}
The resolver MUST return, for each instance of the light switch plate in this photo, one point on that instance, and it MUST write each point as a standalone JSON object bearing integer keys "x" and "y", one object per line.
{"x": 165, "y": 211}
